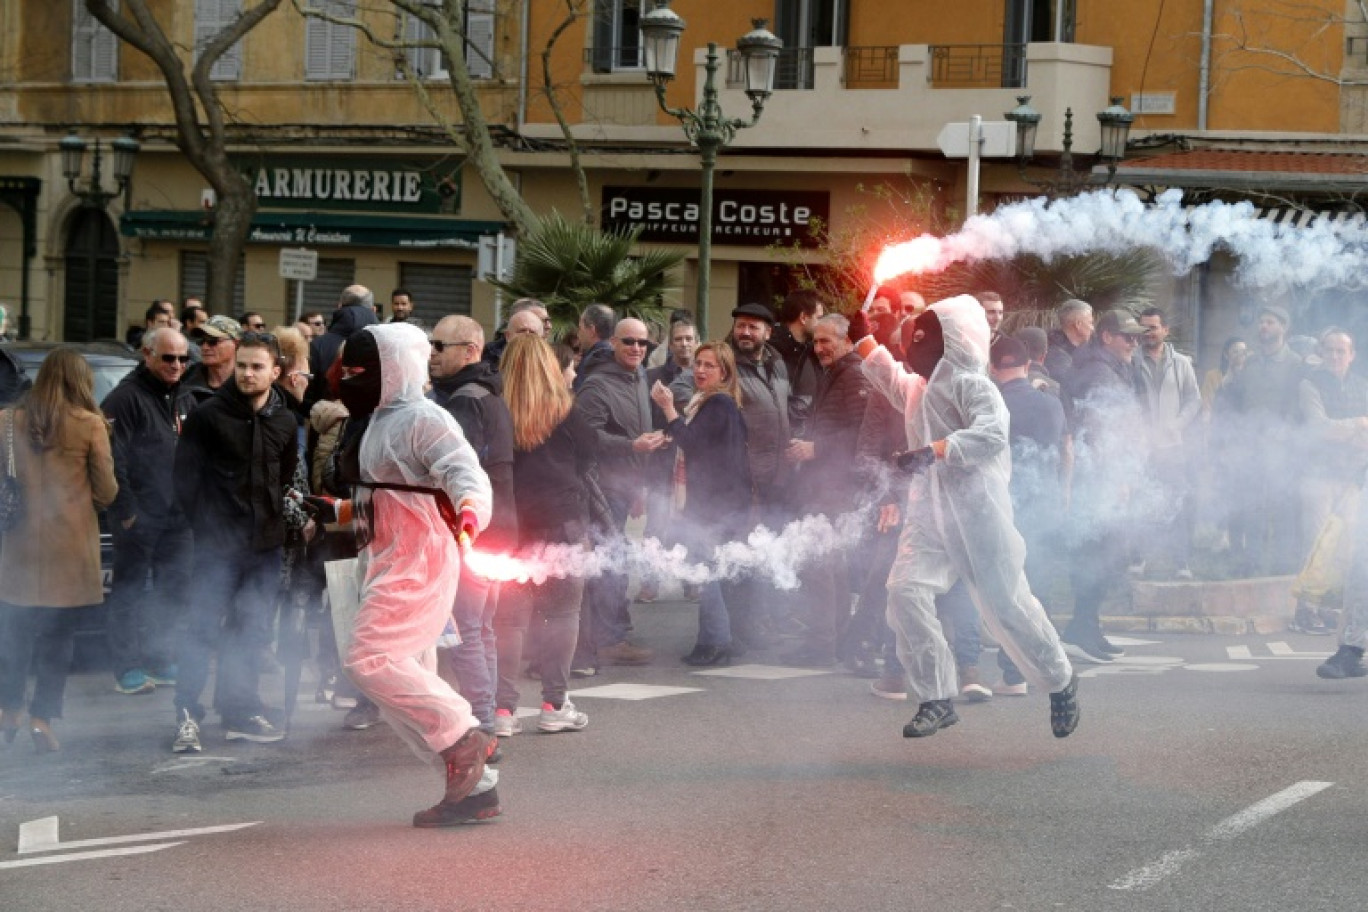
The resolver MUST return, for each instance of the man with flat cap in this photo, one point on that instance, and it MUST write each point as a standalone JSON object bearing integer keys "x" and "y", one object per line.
{"x": 1265, "y": 528}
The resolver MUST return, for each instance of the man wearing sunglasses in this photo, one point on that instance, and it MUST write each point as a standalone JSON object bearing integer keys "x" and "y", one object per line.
{"x": 145, "y": 412}
{"x": 217, "y": 339}
{"x": 615, "y": 402}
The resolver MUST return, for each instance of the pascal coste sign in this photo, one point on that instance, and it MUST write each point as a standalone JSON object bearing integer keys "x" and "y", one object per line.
{"x": 751, "y": 218}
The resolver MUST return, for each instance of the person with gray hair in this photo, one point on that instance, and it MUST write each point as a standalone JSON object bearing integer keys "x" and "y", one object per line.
{"x": 355, "y": 310}
{"x": 1075, "y": 330}
{"x": 595, "y": 329}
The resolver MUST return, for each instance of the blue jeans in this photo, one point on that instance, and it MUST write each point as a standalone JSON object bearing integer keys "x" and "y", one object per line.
{"x": 553, "y": 611}
{"x": 475, "y": 660}
{"x": 716, "y": 602}
{"x": 232, "y": 605}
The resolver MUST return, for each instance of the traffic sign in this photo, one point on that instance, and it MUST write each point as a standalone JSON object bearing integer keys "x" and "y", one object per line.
{"x": 298, "y": 264}
{"x": 999, "y": 139}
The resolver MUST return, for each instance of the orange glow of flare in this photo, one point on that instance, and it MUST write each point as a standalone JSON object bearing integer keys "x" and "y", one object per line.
{"x": 918, "y": 255}
{"x": 497, "y": 568}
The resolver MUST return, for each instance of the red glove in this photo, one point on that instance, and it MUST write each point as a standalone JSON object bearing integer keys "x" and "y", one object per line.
{"x": 469, "y": 525}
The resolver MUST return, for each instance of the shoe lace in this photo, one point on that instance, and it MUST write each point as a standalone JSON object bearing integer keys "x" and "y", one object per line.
{"x": 188, "y": 731}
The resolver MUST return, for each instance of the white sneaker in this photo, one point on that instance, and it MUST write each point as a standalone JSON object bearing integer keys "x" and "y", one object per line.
{"x": 506, "y": 725}
{"x": 1011, "y": 690}
{"x": 187, "y": 735}
{"x": 975, "y": 693}
{"x": 567, "y": 718}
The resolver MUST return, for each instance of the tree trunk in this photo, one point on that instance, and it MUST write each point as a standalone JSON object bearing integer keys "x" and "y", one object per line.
{"x": 232, "y": 224}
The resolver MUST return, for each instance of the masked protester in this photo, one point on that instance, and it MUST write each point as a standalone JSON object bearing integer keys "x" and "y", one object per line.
{"x": 958, "y": 522}
{"x": 398, "y": 442}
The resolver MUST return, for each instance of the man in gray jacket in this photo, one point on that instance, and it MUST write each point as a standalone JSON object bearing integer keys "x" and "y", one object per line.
{"x": 615, "y": 402}
{"x": 1172, "y": 402}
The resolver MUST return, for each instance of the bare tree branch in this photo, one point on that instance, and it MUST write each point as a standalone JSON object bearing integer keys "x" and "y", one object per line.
{"x": 574, "y": 9}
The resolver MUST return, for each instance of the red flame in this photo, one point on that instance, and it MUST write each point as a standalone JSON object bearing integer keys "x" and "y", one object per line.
{"x": 921, "y": 254}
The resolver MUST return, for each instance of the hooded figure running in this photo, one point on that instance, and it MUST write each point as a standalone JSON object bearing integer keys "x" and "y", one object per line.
{"x": 409, "y": 561}
{"x": 959, "y": 515}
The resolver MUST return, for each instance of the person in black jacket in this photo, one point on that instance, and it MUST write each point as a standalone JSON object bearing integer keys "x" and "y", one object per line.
{"x": 236, "y": 454}
{"x": 355, "y": 310}
{"x": 825, "y": 460}
{"x": 554, "y": 453}
{"x": 711, "y": 437}
{"x": 792, "y": 338}
{"x": 470, "y": 390}
{"x": 146, "y": 411}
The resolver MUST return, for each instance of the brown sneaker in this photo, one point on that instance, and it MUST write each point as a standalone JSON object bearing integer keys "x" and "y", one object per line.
{"x": 625, "y": 653}
{"x": 465, "y": 763}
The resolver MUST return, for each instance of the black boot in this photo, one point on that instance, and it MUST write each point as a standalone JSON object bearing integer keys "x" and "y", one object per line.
{"x": 1347, "y": 662}
{"x": 931, "y": 717}
{"x": 1064, "y": 710}
{"x": 471, "y": 809}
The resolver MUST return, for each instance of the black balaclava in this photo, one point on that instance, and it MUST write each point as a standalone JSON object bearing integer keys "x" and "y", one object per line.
{"x": 361, "y": 393}
{"x": 925, "y": 345}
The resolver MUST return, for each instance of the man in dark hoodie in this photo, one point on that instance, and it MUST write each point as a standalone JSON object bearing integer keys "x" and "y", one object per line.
{"x": 146, "y": 411}
{"x": 237, "y": 452}
{"x": 355, "y": 309}
{"x": 470, "y": 390}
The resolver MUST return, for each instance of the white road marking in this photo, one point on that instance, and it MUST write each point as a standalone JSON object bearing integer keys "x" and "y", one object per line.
{"x": 761, "y": 672}
{"x": 190, "y": 762}
{"x": 41, "y": 836}
{"x": 1221, "y": 666}
{"x": 1235, "y": 825}
{"x": 627, "y": 691}
{"x": 87, "y": 856}
{"x": 1280, "y": 649}
{"x": 1239, "y": 652}
{"x": 1146, "y": 660}
{"x": 1132, "y": 641}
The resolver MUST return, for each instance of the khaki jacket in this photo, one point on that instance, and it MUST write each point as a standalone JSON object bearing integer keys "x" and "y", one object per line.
{"x": 53, "y": 558}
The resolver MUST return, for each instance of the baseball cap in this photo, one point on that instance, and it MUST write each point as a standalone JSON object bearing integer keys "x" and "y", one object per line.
{"x": 758, "y": 311}
{"x": 221, "y": 327}
{"x": 1278, "y": 313}
{"x": 1119, "y": 323}
{"x": 1008, "y": 352}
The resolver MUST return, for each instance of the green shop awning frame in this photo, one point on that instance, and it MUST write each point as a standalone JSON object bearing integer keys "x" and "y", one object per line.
{"x": 318, "y": 229}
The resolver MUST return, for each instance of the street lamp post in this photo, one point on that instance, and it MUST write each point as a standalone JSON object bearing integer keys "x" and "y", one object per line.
{"x": 94, "y": 194}
{"x": 707, "y": 127}
{"x": 1115, "y": 122}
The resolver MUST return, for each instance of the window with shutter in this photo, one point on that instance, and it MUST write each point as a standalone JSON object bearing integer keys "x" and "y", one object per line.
{"x": 211, "y": 18}
{"x": 194, "y": 281}
{"x": 334, "y": 274}
{"x": 94, "y": 48}
{"x": 617, "y": 35}
{"x": 330, "y": 48}
{"x": 437, "y": 291}
{"x": 426, "y": 62}
{"x": 479, "y": 38}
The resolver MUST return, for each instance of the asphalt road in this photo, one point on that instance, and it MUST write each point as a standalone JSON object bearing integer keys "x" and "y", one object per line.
{"x": 1209, "y": 773}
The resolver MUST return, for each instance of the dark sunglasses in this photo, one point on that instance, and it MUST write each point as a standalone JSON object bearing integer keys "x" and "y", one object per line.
{"x": 174, "y": 359}
{"x": 439, "y": 346}
{"x": 315, "y": 322}
{"x": 639, "y": 343}
{"x": 257, "y": 337}
{"x": 210, "y": 341}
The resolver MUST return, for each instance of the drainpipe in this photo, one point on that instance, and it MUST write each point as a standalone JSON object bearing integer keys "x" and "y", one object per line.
{"x": 1204, "y": 80}
{"x": 524, "y": 40}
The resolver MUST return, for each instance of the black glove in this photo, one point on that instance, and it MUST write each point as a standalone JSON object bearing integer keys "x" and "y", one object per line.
{"x": 915, "y": 462}
{"x": 322, "y": 509}
{"x": 859, "y": 326}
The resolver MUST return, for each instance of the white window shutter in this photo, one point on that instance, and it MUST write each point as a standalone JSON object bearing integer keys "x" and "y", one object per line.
{"x": 94, "y": 48}
{"x": 416, "y": 30}
{"x": 104, "y": 57}
{"x": 342, "y": 42}
{"x": 479, "y": 38}
{"x": 316, "y": 34}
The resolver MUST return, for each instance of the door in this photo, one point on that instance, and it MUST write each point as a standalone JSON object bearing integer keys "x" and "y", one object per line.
{"x": 91, "y": 308}
{"x": 803, "y": 25}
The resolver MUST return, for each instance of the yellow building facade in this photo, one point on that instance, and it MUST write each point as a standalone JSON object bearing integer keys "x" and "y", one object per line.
{"x": 348, "y": 161}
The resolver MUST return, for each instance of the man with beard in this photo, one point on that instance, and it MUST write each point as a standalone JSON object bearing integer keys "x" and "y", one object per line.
{"x": 958, "y": 522}
{"x": 237, "y": 451}
{"x": 418, "y": 491}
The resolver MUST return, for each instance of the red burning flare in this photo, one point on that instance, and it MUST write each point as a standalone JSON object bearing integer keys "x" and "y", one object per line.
{"x": 497, "y": 568}
{"x": 921, "y": 254}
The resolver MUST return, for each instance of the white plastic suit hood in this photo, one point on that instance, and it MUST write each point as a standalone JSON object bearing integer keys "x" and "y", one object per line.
{"x": 404, "y": 350}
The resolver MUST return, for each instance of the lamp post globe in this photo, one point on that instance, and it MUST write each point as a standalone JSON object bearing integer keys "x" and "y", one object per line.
{"x": 660, "y": 30}
{"x": 760, "y": 53}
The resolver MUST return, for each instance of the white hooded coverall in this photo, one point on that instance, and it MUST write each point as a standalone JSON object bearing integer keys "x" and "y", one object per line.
{"x": 958, "y": 522}
{"x": 411, "y": 566}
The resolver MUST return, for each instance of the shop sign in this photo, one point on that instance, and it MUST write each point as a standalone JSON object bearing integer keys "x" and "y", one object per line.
{"x": 751, "y": 218}
{"x": 372, "y": 184}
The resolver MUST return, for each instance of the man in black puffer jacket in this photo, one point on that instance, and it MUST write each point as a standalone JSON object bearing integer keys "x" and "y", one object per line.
{"x": 355, "y": 309}
{"x": 470, "y": 390}
{"x": 236, "y": 455}
{"x": 145, "y": 412}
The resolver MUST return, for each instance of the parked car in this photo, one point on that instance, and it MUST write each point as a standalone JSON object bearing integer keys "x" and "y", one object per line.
{"x": 110, "y": 362}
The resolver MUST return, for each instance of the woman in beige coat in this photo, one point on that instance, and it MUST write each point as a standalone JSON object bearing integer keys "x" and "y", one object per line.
{"x": 50, "y": 563}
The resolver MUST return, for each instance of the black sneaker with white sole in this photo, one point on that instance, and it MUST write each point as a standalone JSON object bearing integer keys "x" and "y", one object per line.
{"x": 931, "y": 717}
{"x": 256, "y": 729}
{"x": 470, "y": 809}
{"x": 1064, "y": 709}
{"x": 1347, "y": 662}
{"x": 1086, "y": 651}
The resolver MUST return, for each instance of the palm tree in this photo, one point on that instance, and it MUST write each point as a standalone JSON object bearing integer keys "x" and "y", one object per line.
{"x": 569, "y": 265}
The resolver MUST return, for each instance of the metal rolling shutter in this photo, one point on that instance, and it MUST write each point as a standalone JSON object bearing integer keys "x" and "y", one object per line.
{"x": 437, "y": 291}
{"x": 194, "y": 281}
{"x": 322, "y": 293}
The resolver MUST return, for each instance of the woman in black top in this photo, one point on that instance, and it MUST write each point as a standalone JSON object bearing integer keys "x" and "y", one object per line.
{"x": 553, "y": 452}
{"x": 716, "y": 488}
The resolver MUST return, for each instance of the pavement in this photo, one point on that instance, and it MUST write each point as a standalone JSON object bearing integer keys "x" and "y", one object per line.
{"x": 1212, "y": 772}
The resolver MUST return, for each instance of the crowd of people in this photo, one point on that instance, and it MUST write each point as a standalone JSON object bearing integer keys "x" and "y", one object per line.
{"x": 235, "y": 463}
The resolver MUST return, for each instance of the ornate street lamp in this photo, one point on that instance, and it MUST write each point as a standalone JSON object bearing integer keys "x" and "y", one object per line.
{"x": 94, "y": 193}
{"x": 706, "y": 127}
{"x": 1115, "y": 122}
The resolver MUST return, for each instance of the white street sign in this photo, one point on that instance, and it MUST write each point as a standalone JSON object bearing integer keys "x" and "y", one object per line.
{"x": 999, "y": 139}
{"x": 298, "y": 264}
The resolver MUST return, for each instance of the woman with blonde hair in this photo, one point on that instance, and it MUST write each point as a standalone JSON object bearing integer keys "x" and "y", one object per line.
{"x": 50, "y": 562}
{"x": 712, "y": 487}
{"x": 553, "y": 453}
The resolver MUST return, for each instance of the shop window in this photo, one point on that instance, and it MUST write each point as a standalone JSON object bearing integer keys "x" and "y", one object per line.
{"x": 94, "y": 48}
